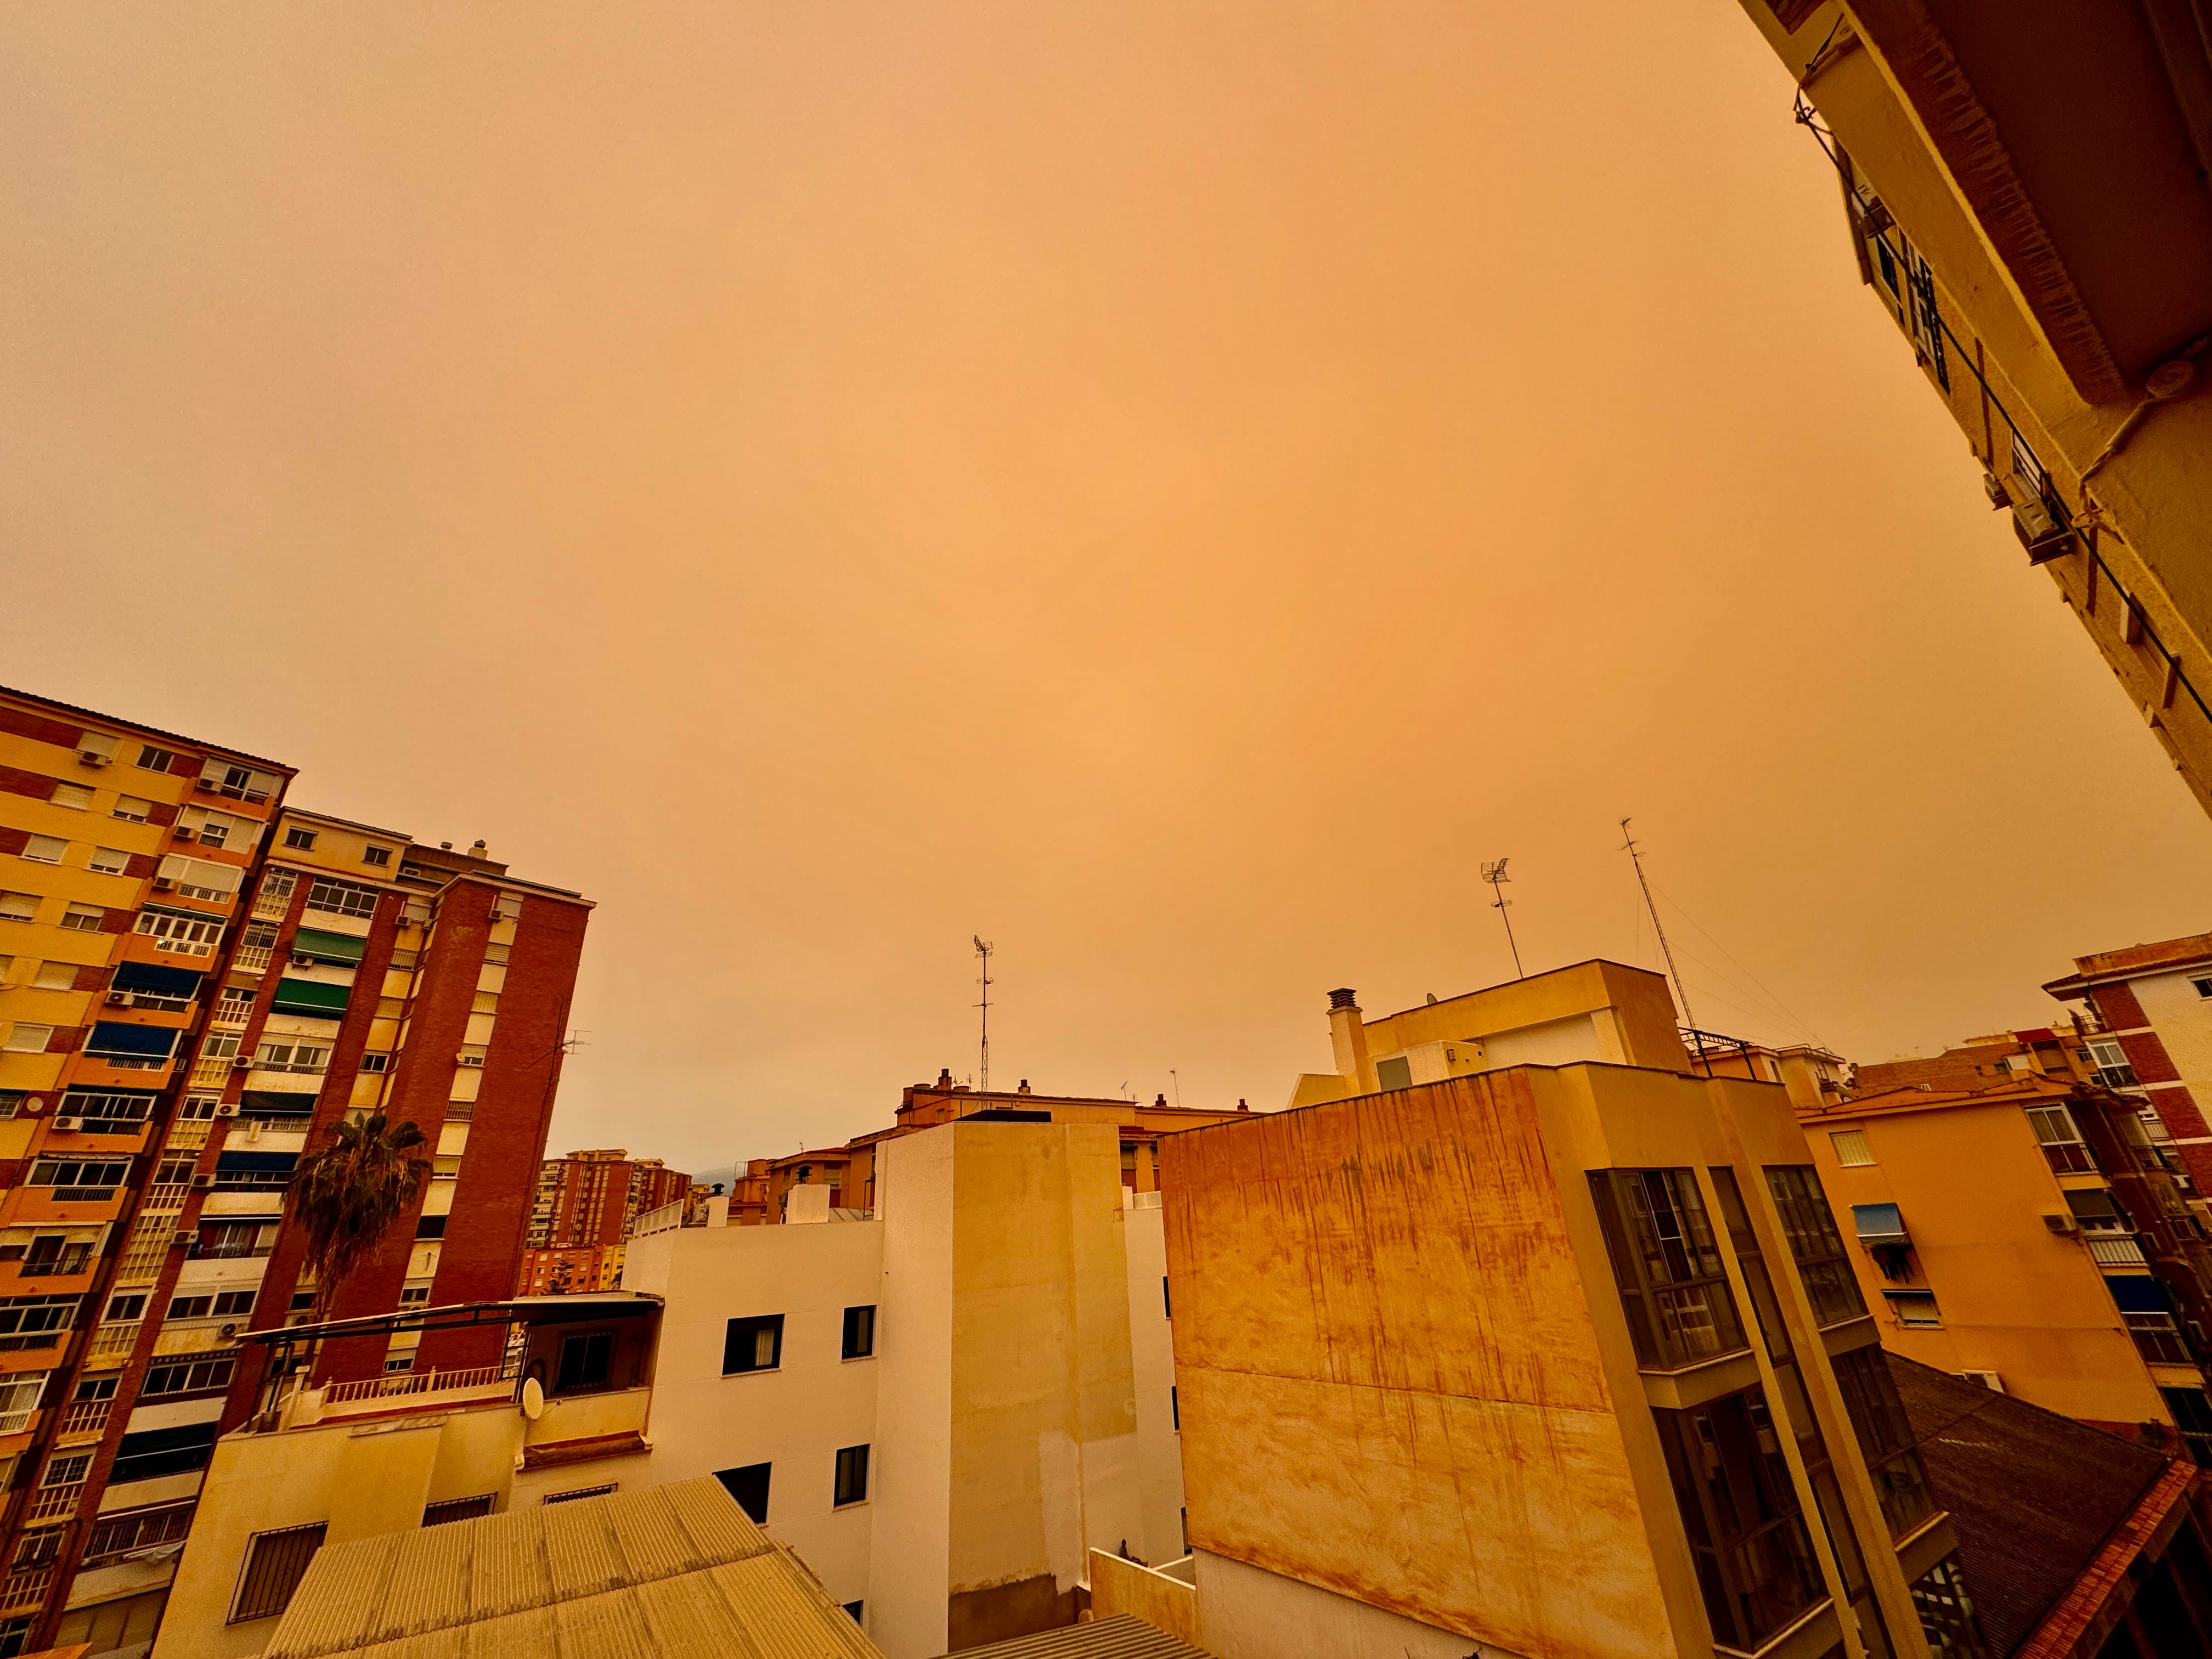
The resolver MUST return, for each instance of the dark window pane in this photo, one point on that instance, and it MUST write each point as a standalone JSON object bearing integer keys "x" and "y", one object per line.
{"x": 852, "y": 1476}
{"x": 753, "y": 1344}
{"x": 749, "y": 1486}
{"x": 859, "y": 1333}
{"x": 279, "y": 1561}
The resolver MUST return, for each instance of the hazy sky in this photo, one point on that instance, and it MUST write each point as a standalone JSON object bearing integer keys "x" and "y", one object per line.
{"x": 1170, "y": 487}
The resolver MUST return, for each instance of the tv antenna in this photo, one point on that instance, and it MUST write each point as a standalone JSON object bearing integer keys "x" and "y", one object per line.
{"x": 1496, "y": 876}
{"x": 1628, "y": 845}
{"x": 983, "y": 1054}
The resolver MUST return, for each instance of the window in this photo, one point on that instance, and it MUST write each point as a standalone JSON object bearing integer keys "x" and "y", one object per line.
{"x": 1814, "y": 1245}
{"x": 376, "y": 1062}
{"x": 415, "y": 1296}
{"x": 43, "y": 849}
{"x": 110, "y": 861}
{"x": 161, "y": 760}
{"x": 1396, "y": 1073}
{"x": 2202, "y": 986}
{"x": 105, "y": 1113}
{"x": 2060, "y": 1141}
{"x": 126, "y": 1535}
{"x": 131, "y": 810}
{"x": 25, "y": 1038}
{"x": 342, "y": 898}
{"x": 430, "y": 1226}
{"x": 1174, "y": 1408}
{"x": 852, "y": 1483}
{"x": 176, "y": 1376}
{"x": 1167, "y": 1301}
{"x": 83, "y": 918}
{"x": 75, "y": 795}
{"x": 18, "y": 906}
{"x": 376, "y": 855}
{"x": 1884, "y": 1436}
{"x": 79, "y": 1181}
{"x": 302, "y": 840}
{"x": 66, "y": 1469}
{"x": 1915, "y": 1309}
{"x": 457, "y": 1509}
{"x": 574, "y": 1493}
{"x": 18, "y": 1398}
{"x": 2192, "y": 1415}
{"x": 308, "y": 1057}
{"x": 1672, "y": 1286}
{"x": 225, "y": 1304}
{"x": 859, "y": 1333}
{"x": 753, "y": 1344}
{"x": 1947, "y": 1614}
{"x": 1748, "y": 1537}
{"x": 2111, "y": 1060}
{"x": 749, "y": 1486}
{"x": 278, "y": 1562}
{"x": 1851, "y": 1149}
{"x": 122, "y": 1309}
{"x": 854, "y": 1609}
{"x": 585, "y": 1362}
{"x": 53, "y": 1256}
{"x": 215, "y": 829}
{"x": 55, "y": 976}
{"x": 183, "y": 930}
{"x": 153, "y": 1453}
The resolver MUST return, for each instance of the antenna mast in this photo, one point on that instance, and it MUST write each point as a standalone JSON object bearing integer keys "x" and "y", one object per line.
{"x": 1494, "y": 874}
{"x": 983, "y": 1056}
{"x": 1628, "y": 845}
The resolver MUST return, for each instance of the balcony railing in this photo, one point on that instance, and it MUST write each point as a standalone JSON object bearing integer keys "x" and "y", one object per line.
{"x": 400, "y": 1383}
{"x": 227, "y": 1252}
{"x": 667, "y": 1217}
{"x": 85, "y": 1419}
{"x": 168, "y": 1196}
{"x": 51, "y": 1502}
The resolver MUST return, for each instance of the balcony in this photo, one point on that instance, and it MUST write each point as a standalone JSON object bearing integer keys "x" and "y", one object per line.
{"x": 54, "y": 1503}
{"x": 479, "y": 1385}
{"x": 188, "y": 1134}
{"x": 211, "y": 1071}
{"x": 253, "y": 958}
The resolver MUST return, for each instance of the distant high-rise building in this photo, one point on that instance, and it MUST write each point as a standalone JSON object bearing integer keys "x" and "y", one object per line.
{"x": 2031, "y": 207}
{"x": 196, "y": 981}
{"x": 585, "y": 1208}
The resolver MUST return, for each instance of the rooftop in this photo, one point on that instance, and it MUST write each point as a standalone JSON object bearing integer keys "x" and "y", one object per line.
{"x": 2133, "y": 961}
{"x": 664, "y": 1569}
{"x": 149, "y": 730}
{"x": 1123, "y": 1636}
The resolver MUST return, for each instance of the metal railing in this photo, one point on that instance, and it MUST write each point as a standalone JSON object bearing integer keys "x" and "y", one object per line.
{"x": 398, "y": 1384}
{"x": 666, "y": 1219}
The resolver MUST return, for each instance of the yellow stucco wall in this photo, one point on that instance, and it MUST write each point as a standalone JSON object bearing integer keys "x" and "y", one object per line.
{"x": 2014, "y": 1298}
{"x": 1391, "y": 1380}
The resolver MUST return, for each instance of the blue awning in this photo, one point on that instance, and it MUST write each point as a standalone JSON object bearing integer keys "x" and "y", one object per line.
{"x": 1879, "y": 1223}
{"x": 2137, "y": 1293}
{"x": 255, "y": 1160}
{"x": 138, "y": 1042}
{"x": 162, "y": 982}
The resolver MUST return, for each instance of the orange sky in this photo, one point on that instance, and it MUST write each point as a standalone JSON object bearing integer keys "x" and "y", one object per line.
{"x": 1172, "y": 486}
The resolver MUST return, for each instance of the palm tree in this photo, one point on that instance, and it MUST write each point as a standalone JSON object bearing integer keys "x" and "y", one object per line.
{"x": 347, "y": 1194}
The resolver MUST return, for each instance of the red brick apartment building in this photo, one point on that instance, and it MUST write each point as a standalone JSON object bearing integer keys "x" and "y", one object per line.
{"x": 197, "y": 981}
{"x": 2152, "y": 1006}
{"x": 588, "y": 1203}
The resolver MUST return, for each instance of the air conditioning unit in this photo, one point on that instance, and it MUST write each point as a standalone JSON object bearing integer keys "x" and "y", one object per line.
{"x": 2060, "y": 1223}
{"x": 201, "y": 1182}
{"x": 91, "y": 757}
{"x": 208, "y": 784}
{"x": 226, "y": 1108}
{"x": 69, "y": 1123}
{"x": 1994, "y": 487}
{"x": 303, "y": 962}
{"x": 241, "y": 1062}
{"x": 183, "y": 833}
{"x": 1989, "y": 1380}
{"x": 162, "y": 883}
{"x": 181, "y": 1236}
{"x": 229, "y": 1333}
{"x": 120, "y": 999}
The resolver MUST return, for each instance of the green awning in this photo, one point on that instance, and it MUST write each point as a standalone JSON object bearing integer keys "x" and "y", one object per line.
{"x": 342, "y": 950}
{"x": 304, "y": 996}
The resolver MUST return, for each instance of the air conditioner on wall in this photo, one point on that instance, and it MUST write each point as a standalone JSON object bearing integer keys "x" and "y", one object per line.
{"x": 227, "y": 1333}
{"x": 162, "y": 883}
{"x": 121, "y": 999}
{"x": 2060, "y": 1223}
{"x": 202, "y": 1182}
{"x": 181, "y": 1236}
{"x": 226, "y": 1108}
{"x": 68, "y": 1123}
{"x": 183, "y": 833}
{"x": 91, "y": 757}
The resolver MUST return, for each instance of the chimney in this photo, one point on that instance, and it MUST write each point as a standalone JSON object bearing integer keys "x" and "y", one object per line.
{"x": 1024, "y": 1089}
{"x": 478, "y": 850}
{"x": 1161, "y": 1100}
{"x": 945, "y": 1078}
{"x": 1241, "y": 1106}
{"x": 1347, "y": 1036}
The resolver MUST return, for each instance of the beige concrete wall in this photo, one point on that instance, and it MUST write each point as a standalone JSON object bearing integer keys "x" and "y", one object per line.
{"x": 1125, "y": 1587}
{"x": 1152, "y": 1358}
{"x": 1252, "y": 1613}
{"x": 1392, "y": 1386}
{"x": 907, "y": 1579}
{"x": 1043, "y": 1410}
{"x": 2183, "y": 1021}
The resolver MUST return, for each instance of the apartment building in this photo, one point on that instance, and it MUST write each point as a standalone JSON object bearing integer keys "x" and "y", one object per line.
{"x": 846, "y": 1174}
{"x": 1559, "y": 1356}
{"x": 942, "y": 1407}
{"x": 560, "y": 1417}
{"x": 587, "y": 1206}
{"x": 2069, "y": 1270}
{"x": 243, "y": 974}
{"x": 2146, "y": 1030}
{"x": 2030, "y": 204}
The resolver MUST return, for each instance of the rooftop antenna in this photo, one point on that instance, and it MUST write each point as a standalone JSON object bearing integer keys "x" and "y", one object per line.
{"x": 1495, "y": 875}
{"x": 1175, "y": 1082}
{"x": 1628, "y": 845}
{"x": 983, "y": 1058}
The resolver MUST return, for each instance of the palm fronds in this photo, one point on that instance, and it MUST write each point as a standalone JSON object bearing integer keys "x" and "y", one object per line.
{"x": 346, "y": 1196}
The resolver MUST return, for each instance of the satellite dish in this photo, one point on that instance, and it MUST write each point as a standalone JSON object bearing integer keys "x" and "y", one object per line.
{"x": 533, "y": 1398}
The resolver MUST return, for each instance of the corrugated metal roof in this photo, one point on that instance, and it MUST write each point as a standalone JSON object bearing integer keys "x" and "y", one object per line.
{"x": 1125, "y": 1636}
{"x": 637, "y": 1575}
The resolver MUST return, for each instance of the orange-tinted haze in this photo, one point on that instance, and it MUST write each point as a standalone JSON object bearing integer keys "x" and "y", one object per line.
{"x": 1171, "y": 487}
